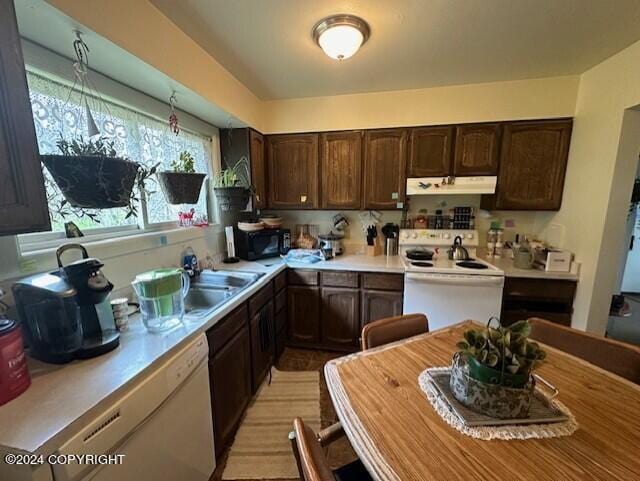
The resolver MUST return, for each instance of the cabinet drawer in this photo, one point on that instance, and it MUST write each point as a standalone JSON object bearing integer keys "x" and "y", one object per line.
{"x": 302, "y": 277}
{"x": 385, "y": 282}
{"x": 280, "y": 282}
{"x": 281, "y": 300}
{"x": 225, "y": 329}
{"x": 339, "y": 279}
{"x": 539, "y": 288}
{"x": 263, "y": 296}
{"x": 281, "y": 320}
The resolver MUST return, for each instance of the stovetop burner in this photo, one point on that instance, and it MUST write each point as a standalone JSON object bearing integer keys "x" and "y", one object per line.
{"x": 422, "y": 264}
{"x": 471, "y": 265}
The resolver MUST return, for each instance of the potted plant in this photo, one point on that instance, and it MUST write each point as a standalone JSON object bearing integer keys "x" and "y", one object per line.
{"x": 91, "y": 175}
{"x": 230, "y": 195}
{"x": 183, "y": 184}
{"x": 491, "y": 373}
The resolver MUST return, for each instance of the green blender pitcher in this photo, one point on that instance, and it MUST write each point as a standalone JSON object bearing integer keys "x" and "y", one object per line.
{"x": 161, "y": 293}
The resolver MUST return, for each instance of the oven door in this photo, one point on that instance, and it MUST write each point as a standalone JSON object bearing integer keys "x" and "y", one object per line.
{"x": 447, "y": 299}
{"x": 264, "y": 244}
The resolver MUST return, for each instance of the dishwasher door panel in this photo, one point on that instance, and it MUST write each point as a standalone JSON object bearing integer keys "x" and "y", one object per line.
{"x": 175, "y": 443}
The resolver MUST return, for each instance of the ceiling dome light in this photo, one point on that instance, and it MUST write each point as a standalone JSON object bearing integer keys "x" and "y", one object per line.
{"x": 340, "y": 36}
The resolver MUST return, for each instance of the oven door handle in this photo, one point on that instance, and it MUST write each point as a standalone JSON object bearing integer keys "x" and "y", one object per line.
{"x": 455, "y": 279}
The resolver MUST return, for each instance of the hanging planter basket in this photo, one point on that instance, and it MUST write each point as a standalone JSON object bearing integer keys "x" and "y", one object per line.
{"x": 232, "y": 198}
{"x": 93, "y": 181}
{"x": 181, "y": 187}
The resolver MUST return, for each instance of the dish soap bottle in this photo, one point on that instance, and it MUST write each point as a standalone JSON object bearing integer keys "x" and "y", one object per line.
{"x": 190, "y": 262}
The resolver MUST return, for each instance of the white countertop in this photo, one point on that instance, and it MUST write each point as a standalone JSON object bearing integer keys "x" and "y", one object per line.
{"x": 62, "y": 399}
{"x": 505, "y": 263}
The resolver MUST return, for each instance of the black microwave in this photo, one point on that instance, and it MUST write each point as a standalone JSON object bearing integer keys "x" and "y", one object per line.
{"x": 261, "y": 244}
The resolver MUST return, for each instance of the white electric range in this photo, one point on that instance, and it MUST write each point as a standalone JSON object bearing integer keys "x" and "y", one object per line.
{"x": 448, "y": 291}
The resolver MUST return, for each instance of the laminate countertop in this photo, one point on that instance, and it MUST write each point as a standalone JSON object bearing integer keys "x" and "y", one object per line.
{"x": 63, "y": 399}
{"x": 505, "y": 263}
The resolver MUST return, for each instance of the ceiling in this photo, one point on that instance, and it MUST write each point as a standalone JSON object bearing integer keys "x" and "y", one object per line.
{"x": 111, "y": 60}
{"x": 267, "y": 45}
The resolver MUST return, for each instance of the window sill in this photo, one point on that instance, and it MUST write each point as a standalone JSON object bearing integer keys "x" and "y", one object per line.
{"x": 38, "y": 260}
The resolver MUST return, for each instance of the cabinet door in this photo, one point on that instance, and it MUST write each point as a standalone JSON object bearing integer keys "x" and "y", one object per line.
{"x": 380, "y": 304}
{"x": 532, "y": 165}
{"x": 303, "y": 315}
{"x": 23, "y": 202}
{"x": 292, "y": 169}
{"x": 340, "y": 317}
{"x": 477, "y": 149}
{"x": 230, "y": 376}
{"x": 430, "y": 152}
{"x": 258, "y": 169}
{"x": 341, "y": 170}
{"x": 385, "y": 161}
{"x": 262, "y": 343}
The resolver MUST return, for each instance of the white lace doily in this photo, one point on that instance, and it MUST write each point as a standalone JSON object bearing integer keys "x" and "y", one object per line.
{"x": 528, "y": 431}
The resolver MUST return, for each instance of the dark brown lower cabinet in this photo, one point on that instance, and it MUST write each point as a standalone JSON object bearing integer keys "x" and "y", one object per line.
{"x": 550, "y": 299}
{"x": 340, "y": 317}
{"x": 281, "y": 331}
{"x": 303, "y": 315}
{"x": 230, "y": 381}
{"x": 380, "y": 304}
{"x": 262, "y": 343}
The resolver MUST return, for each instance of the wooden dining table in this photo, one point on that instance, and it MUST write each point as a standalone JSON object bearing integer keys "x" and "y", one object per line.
{"x": 399, "y": 436}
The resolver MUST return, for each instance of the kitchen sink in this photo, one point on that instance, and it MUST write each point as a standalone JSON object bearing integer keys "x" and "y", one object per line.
{"x": 213, "y": 288}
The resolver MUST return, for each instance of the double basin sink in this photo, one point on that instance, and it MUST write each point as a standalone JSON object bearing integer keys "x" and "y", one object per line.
{"x": 211, "y": 289}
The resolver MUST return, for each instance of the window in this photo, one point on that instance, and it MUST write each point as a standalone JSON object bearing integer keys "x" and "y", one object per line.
{"x": 136, "y": 136}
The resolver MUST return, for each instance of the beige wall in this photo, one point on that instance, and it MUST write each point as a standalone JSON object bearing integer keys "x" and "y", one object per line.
{"x": 602, "y": 164}
{"x": 523, "y": 99}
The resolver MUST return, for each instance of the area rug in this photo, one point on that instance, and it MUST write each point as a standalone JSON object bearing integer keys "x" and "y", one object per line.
{"x": 261, "y": 449}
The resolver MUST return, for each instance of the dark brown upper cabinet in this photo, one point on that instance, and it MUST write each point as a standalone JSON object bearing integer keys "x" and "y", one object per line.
{"x": 292, "y": 165}
{"x": 477, "y": 149}
{"x": 341, "y": 170}
{"x": 258, "y": 169}
{"x": 430, "y": 151}
{"x": 385, "y": 161}
{"x": 533, "y": 162}
{"x": 23, "y": 201}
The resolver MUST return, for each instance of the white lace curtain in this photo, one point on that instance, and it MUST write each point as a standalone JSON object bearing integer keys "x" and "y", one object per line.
{"x": 136, "y": 136}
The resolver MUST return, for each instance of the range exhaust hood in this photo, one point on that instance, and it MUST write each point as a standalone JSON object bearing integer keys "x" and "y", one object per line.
{"x": 451, "y": 185}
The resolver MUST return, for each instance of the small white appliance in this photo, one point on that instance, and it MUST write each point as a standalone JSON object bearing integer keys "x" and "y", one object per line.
{"x": 162, "y": 426}
{"x": 553, "y": 260}
{"x": 448, "y": 291}
{"x": 451, "y": 185}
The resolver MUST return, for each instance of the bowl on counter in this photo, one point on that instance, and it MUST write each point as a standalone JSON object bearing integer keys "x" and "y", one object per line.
{"x": 271, "y": 222}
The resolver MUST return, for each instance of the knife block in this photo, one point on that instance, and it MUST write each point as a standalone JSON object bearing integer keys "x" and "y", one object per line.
{"x": 375, "y": 249}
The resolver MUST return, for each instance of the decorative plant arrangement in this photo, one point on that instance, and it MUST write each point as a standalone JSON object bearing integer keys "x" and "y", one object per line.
{"x": 230, "y": 195}
{"x": 91, "y": 175}
{"x": 492, "y": 371}
{"x": 182, "y": 185}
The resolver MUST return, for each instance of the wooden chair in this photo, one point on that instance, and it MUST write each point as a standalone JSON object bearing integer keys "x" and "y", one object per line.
{"x": 613, "y": 356}
{"x": 312, "y": 463}
{"x": 390, "y": 329}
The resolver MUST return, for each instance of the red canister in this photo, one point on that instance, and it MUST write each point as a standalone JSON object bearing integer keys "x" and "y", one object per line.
{"x": 14, "y": 374}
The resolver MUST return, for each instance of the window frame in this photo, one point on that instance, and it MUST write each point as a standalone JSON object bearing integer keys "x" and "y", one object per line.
{"x": 32, "y": 243}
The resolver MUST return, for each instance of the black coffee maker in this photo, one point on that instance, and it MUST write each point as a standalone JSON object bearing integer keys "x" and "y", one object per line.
{"x": 66, "y": 314}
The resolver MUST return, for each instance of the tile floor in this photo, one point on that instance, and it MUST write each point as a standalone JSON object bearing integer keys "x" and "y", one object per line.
{"x": 338, "y": 453}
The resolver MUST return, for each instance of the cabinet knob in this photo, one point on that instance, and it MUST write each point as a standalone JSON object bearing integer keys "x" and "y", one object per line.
{"x": 303, "y": 198}
{"x": 257, "y": 197}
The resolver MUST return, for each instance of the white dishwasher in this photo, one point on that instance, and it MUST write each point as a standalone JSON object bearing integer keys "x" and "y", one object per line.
{"x": 162, "y": 427}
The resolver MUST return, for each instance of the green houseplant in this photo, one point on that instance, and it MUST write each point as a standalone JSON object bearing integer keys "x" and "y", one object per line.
{"x": 91, "y": 175}
{"x": 181, "y": 185}
{"x": 229, "y": 194}
{"x": 492, "y": 372}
